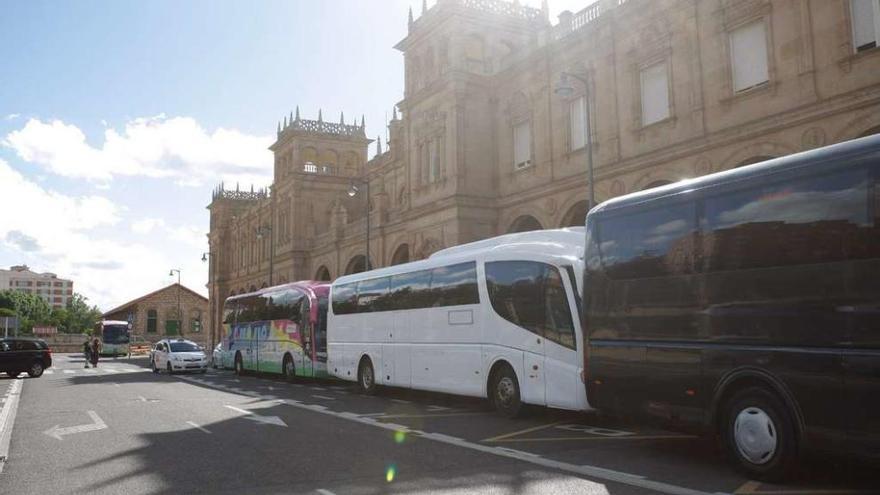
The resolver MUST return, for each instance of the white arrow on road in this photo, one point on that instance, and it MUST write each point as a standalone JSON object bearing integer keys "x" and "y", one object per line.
{"x": 267, "y": 420}
{"x": 96, "y": 424}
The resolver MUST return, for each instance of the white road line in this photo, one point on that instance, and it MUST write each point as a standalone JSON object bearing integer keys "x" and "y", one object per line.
{"x": 48, "y": 372}
{"x": 323, "y": 397}
{"x": 238, "y": 409}
{"x": 320, "y": 389}
{"x": 401, "y": 401}
{"x": 7, "y": 419}
{"x": 198, "y": 427}
{"x": 69, "y": 372}
{"x": 324, "y": 492}
{"x": 586, "y": 471}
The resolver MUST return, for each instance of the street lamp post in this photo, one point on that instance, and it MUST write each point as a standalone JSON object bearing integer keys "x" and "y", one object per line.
{"x": 179, "y": 318}
{"x": 564, "y": 89}
{"x": 353, "y": 189}
{"x": 262, "y": 231}
{"x": 213, "y": 298}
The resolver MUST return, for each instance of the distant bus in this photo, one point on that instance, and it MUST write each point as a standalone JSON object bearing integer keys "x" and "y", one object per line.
{"x": 496, "y": 318}
{"x": 745, "y": 304}
{"x": 115, "y": 337}
{"x": 281, "y": 329}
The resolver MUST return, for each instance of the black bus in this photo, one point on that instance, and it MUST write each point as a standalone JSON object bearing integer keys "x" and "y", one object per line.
{"x": 745, "y": 304}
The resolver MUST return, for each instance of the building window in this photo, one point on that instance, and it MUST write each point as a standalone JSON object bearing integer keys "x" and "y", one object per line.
{"x": 865, "y": 24}
{"x": 577, "y": 124}
{"x": 431, "y": 156}
{"x": 655, "y": 93}
{"x": 522, "y": 145}
{"x": 196, "y": 320}
{"x": 151, "y": 321}
{"x": 748, "y": 56}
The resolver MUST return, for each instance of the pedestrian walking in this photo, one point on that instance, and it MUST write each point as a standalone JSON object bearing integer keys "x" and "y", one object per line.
{"x": 87, "y": 352}
{"x": 95, "y": 351}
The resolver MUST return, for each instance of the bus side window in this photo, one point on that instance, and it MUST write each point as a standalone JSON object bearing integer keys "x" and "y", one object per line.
{"x": 515, "y": 291}
{"x": 558, "y": 325}
{"x": 345, "y": 299}
{"x": 454, "y": 285}
{"x": 410, "y": 290}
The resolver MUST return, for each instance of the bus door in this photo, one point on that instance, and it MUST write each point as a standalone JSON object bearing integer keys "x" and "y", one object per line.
{"x": 307, "y": 336}
{"x": 561, "y": 356}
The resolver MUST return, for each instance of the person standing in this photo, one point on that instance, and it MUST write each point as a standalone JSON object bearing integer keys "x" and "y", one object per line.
{"x": 95, "y": 351}
{"x": 87, "y": 352}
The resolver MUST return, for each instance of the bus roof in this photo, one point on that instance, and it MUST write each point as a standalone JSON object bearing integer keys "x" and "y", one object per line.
{"x": 563, "y": 243}
{"x": 854, "y": 147}
{"x": 312, "y": 287}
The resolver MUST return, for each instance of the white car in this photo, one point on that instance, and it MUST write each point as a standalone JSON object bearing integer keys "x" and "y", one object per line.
{"x": 174, "y": 355}
{"x": 219, "y": 356}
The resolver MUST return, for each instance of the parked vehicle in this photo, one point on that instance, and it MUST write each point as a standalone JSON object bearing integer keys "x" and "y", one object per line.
{"x": 745, "y": 304}
{"x": 23, "y": 355}
{"x": 174, "y": 355}
{"x": 281, "y": 329}
{"x": 218, "y": 356}
{"x": 496, "y": 318}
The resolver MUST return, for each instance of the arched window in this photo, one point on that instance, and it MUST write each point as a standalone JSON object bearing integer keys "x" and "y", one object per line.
{"x": 355, "y": 265}
{"x": 576, "y": 215}
{"x": 195, "y": 318}
{"x": 525, "y": 223}
{"x": 322, "y": 274}
{"x": 152, "y": 321}
{"x": 401, "y": 255}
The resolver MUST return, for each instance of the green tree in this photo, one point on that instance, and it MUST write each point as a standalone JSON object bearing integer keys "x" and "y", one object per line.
{"x": 81, "y": 317}
{"x": 31, "y": 309}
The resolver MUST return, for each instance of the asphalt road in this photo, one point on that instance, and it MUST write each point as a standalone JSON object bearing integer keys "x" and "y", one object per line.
{"x": 122, "y": 429}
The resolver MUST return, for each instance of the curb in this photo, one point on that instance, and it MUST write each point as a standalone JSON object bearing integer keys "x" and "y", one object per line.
{"x": 7, "y": 420}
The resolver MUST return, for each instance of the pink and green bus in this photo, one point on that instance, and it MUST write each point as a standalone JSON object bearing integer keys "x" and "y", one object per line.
{"x": 281, "y": 329}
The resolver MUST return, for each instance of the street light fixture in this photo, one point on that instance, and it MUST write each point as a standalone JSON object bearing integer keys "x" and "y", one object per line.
{"x": 263, "y": 231}
{"x": 179, "y": 318}
{"x": 564, "y": 89}
{"x": 353, "y": 190}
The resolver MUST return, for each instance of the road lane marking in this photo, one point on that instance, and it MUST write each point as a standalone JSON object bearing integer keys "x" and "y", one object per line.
{"x": 198, "y": 427}
{"x": 586, "y": 471}
{"x": 323, "y": 397}
{"x": 322, "y": 491}
{"x": 444, "y": 415}
{"x": 520, "y": 432}
{"x": 267, "y": 420}
{"x": 636, "y": 437}
{"x": 48, "y": 372}
{"x": 7, "y": 419}
{"x": 96, "y": 425}
{"x": 69, "y": 372}
{"x": 401, "y": 401}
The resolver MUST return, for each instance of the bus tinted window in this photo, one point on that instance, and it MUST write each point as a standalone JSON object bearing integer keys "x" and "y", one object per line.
{"x": 819, "y": 219}
{"x": 516, "y": 292}
{"x": 372, "y": 295}
{"x": 454, "y": 285}
{"x": 284, "y": 304}
{"x": 345, "y": 299}
{"x": 558, "y": 325}
{"x": 229, "y": 312}
{"x": 651, "y": 243}
{"x": 252, "y": 308}
{"x": 410, "y": 290}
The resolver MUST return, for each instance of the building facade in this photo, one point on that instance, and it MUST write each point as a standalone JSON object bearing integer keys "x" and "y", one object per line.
{"x": 154, "y": 316}
{"x": 55, "y": 291}
{"x": 486, "y": 144}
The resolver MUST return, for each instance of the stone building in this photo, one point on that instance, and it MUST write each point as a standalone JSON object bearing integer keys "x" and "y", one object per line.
{"x": 154, "y": 316}
{"x": 483, "y": 144}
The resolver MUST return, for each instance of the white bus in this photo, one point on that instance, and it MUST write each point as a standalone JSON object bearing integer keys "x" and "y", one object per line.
{"x": 496, "y": 318}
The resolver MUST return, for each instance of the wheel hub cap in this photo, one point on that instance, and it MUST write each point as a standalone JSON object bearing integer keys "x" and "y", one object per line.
{"x": 505, "y": 391}
{"x": 755, "y": 435}
{"x": 368, "y": 377}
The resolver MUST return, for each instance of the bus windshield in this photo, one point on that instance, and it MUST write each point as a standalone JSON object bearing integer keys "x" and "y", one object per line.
{"x": 115, "y": 334}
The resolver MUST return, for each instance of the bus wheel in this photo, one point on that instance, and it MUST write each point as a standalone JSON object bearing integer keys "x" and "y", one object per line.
{"x": 505, "y": 393}
{"x": 366, "y": 377}
{"x": 239, "y": 366}
{"x": 288, "y": 369}
{"x": 759, "y": 435}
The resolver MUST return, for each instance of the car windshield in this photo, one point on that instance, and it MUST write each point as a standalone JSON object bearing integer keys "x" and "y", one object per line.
{"x": 115, "y": 334}
{"x": 184, "y": 347}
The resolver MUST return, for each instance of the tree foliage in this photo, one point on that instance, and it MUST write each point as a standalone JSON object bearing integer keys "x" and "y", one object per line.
{"x": 31, "y": 309}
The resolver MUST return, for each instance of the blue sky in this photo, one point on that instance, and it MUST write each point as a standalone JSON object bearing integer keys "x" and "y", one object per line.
{"x": 117, "y": 118}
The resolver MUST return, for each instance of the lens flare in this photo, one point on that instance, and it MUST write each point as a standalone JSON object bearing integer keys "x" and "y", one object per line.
{"x": 390, "y": 472}
{"x": 399, "y": 436}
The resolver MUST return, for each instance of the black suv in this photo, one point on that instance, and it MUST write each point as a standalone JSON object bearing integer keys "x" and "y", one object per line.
{"x": 20, "y": 355}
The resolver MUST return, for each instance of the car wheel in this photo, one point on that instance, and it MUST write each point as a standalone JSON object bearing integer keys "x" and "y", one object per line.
{"x": 169, "y": 369}
{"x": 13, "y": 374}
{"x": 289, "y": 369}
{"x": 36, "y": 370}
{"x": 366, "y": 377}
{"x": 759, "y": 434}
{"x": 239, "y": 366}
{"x": 505, "y": 393}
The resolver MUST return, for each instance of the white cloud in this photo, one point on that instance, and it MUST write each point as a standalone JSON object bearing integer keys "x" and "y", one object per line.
{"x": 146, "y": 225}
{"x": 13, "y": 116}
{"x": 190, "y": 235}
{"x": 62, "y": 234}
{"x": 177, "y": 148}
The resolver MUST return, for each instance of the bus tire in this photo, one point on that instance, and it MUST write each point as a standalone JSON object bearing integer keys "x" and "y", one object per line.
{"x": 238, "y": 365}
{"x": 505, "y": 393}
{"x": 758, "y": 434}
{"x": 366, "y": 377}
{"x": 288, "y": 369}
